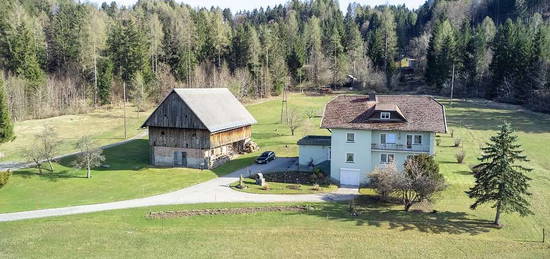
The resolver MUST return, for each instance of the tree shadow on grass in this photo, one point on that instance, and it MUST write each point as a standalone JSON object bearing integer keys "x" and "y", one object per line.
{"x": 384, "y": 215}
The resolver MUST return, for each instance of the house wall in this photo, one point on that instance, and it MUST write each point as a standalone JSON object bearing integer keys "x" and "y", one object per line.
{"x": 180, "y": 138}
{"x": 361, "y": 148}
{"x": 401, "y": 137}
{"x": 367, "y": 159}
{"x": 174, "y": 113}
{"x": 230, "y": 136}
{"x": 314, "y": 153}
{"x": 164, "y": 156}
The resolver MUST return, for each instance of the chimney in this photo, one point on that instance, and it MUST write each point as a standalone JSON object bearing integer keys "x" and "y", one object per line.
{"x": 372, "y": 96}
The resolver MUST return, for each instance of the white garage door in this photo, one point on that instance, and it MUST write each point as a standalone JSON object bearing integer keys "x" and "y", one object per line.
{"x": 349, "y": 177}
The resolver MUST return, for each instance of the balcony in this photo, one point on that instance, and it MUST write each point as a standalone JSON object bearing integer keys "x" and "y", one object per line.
{"x": 400, "y": 147}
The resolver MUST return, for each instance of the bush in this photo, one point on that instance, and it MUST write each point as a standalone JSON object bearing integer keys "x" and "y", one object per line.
{"x": 452, "y": 131}
{"x": 458, "y": 141}
{"x": 4, "y": 177}
{"x": 418, "y": 182}
{"x": 460, "y": 155}
{"x": 438, "y": 141}
{"x": 316, "y": 187}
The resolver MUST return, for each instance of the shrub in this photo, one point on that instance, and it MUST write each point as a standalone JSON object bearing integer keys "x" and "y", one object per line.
{"x": 458, "y": 141}
{"x": 4, "y": 177}
{"x": 452, "y": 131}
{"x": 316, "y": 187}
{"x": 418, "y": 182}
{"x": 438, "y": 141}
{"x": 241, "y": 183}
{"x": 460, "y": 155}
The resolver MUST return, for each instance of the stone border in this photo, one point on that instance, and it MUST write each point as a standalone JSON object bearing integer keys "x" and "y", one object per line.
{"x": 223, "y": 211}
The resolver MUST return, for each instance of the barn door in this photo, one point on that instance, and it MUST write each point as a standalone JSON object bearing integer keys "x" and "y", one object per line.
{"x": 180, "y": 158}
{"x": 184, "y": 159}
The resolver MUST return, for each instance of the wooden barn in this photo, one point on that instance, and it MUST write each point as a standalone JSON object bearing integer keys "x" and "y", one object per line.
{"x": 198, "y": 128}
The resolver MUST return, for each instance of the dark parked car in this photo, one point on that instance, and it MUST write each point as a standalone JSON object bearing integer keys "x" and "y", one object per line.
{"x": 265, "y": 157}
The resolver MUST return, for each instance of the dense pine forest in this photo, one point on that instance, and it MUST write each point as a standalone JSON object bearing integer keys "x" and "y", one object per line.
{"x": 60, "y": 56}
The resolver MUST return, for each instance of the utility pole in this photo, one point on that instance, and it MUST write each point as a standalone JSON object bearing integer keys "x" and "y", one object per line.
{"x": 452, "y": 83}
{"x": 124, "y": 107}
{"x": 284, "y": 105}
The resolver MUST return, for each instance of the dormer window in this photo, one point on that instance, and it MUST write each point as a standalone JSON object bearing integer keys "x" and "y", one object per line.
{"x": 385, "y": 115}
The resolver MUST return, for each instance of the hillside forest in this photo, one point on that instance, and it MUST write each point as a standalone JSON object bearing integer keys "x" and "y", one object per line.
{"x": 60, "y": 56}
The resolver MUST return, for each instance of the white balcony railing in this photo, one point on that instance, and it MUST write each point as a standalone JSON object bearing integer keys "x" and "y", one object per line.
{"x": 401, "y": 147}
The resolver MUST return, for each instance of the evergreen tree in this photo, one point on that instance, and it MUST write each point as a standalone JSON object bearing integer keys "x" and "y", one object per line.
{"x": 128, "y": 50}
{"x": 499, "y": 179}
{"x": 104, "y": 80}
{"x": 442, "y": 54}
{"x": 6, "y": 125}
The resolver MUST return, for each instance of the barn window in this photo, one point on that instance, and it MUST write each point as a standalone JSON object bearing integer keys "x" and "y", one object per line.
{"x": 162, "y": 133}
{"x": 385, "y": 115}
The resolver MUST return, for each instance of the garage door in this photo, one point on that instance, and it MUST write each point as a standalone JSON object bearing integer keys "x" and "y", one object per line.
{"x": 349, "y": 177}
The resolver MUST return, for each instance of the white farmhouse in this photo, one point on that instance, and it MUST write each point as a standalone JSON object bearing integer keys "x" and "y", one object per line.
{"x": 373, "y": 131}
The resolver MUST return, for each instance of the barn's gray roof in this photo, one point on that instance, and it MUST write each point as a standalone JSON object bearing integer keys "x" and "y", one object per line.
{"x": 217, "y": 108}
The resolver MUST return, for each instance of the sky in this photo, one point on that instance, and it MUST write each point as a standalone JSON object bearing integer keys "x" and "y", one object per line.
{"x": 236, "y": 5}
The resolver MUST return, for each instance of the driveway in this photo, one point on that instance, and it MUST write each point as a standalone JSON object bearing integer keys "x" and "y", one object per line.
{"x": 215, "y": 190}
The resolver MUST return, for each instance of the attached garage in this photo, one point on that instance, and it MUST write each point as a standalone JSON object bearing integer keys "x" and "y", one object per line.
{"x": 349, "y": 177}
{"x": 314, "y": 150}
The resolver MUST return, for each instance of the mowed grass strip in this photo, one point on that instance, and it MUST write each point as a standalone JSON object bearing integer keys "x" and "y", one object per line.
{"x": 326, "y": 231}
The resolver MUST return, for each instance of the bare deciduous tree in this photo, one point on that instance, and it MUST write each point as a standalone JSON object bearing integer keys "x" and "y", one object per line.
{"x": 294, "y": 121}
{"x": 48, "y": 142}
{"x": 90, "y": 156}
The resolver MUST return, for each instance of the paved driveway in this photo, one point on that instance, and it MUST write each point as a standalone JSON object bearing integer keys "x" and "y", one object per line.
{"x": 215, "y": 190}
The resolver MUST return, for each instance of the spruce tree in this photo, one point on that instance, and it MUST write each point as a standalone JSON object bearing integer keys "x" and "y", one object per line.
{"x": 499, "y": 179}
{"x": 6, "y": 125}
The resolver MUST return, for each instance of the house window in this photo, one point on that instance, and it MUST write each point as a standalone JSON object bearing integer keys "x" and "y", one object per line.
{"x": 350, "y": 158}
{"x": 162, "y": 133}
{"x": 417, "y": 139}
{"x": 385, "y": 115}
{"x": 388, "y": 138}
{"x": 387, "y": 158}
{"x": 350, "y": 138}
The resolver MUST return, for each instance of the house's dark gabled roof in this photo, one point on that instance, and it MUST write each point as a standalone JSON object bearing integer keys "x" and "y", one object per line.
{"x": 216, "y": 108}
{"x": 408, "y": 113}
{"x": 314, "y": 141}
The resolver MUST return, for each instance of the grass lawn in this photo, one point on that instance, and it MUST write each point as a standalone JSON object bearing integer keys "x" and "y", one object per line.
{"x": 104, "y": 125}
{"x": 281, "y": 188}
{"x": 129, "y": 175}
{"x": 329, "y": 231}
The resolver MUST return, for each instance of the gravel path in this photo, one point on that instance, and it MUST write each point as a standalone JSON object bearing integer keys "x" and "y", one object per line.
{"x": 215, "y": 190}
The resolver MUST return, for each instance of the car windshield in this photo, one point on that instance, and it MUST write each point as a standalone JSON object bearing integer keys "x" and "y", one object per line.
{"x": 265, "y": 154}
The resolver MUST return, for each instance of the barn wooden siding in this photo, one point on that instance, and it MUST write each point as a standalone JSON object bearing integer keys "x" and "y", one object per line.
{"x": 230, "y": 136}
{"x": 183, "y": 138}
{"x": 174, "y": 113}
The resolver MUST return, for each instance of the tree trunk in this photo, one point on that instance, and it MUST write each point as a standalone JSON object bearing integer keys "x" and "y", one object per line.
{"x": 497, "y": 217}
{"x": 50, "y": 164}
{"x": 88, "y": 173}
{"x": 408, "y": 205}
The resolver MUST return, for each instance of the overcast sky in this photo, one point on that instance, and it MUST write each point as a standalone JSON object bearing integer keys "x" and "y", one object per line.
{"x": 235, "y": 5}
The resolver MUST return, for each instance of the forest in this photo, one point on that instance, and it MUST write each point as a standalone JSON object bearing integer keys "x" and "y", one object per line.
{"x": 60, "y": 56}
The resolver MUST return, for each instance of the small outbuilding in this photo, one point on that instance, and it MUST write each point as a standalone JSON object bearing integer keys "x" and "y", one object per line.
{"x": 314, "y": 150}
{"x": 198, "y": 128}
